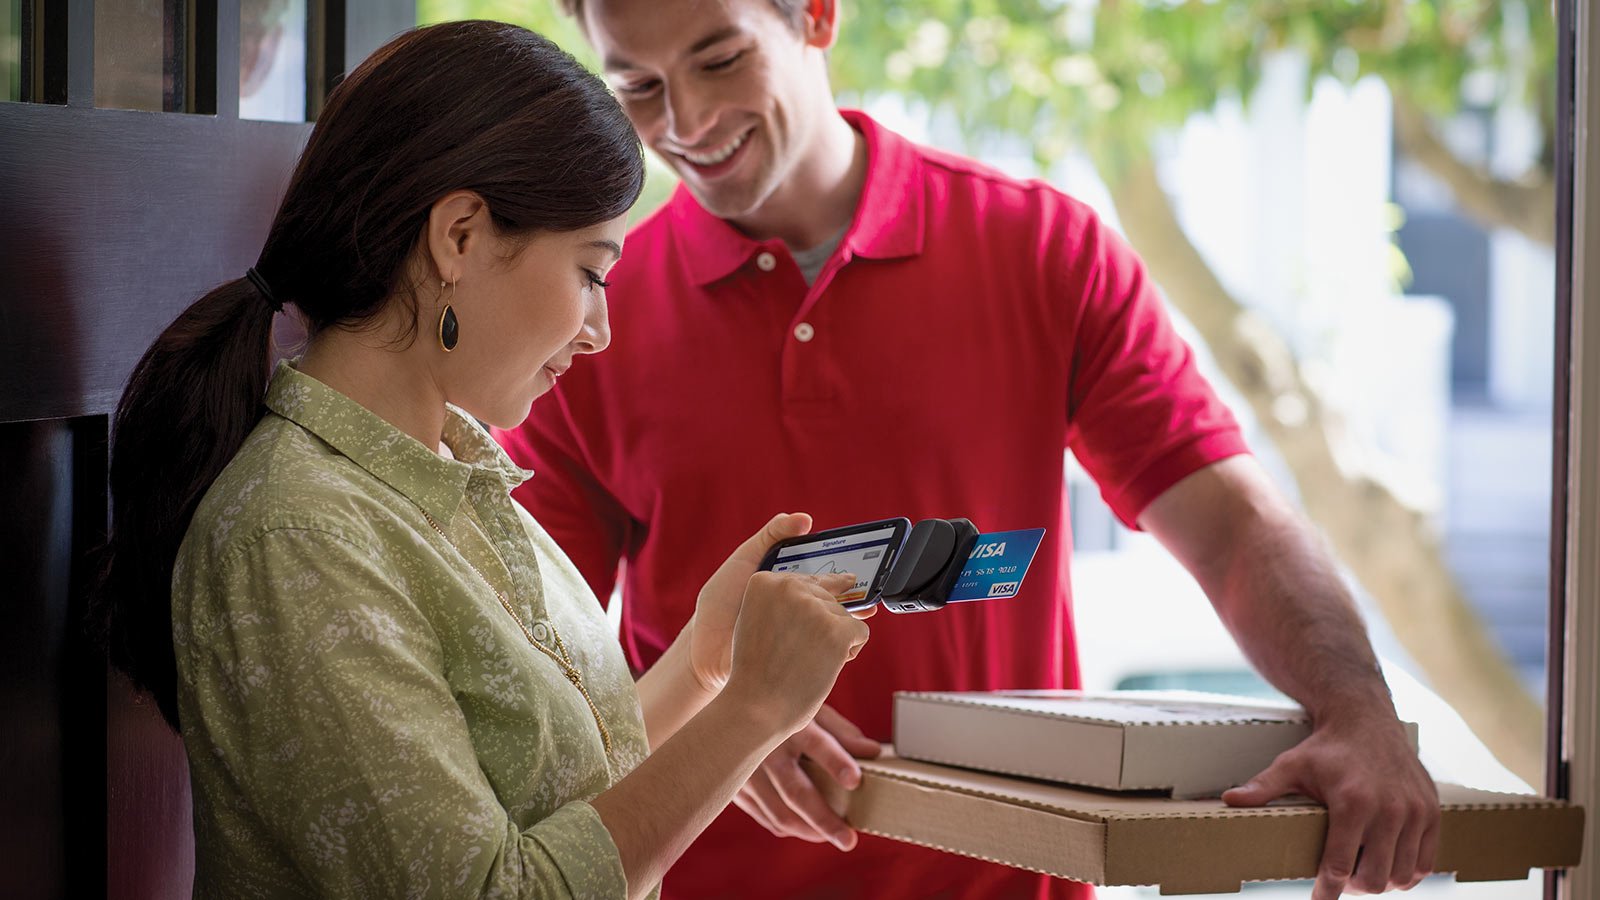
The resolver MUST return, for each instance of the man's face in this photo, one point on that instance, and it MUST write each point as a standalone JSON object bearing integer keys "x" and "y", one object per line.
{"x": 726, "y": 92}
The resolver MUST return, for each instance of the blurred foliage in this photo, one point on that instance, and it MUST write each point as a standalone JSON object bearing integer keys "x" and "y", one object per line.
{"x": 1108, "y": 76}
{"x": 544, "y": 17}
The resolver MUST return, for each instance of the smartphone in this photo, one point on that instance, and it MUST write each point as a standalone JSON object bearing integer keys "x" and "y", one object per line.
{"x": 867, "y": 551}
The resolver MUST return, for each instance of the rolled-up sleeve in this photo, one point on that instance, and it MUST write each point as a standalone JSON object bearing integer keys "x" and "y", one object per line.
{"x": 1141, "y": 416}
{"x": 320, "y": 688}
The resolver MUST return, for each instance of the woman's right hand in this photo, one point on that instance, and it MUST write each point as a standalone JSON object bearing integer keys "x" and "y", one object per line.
{"x": 790, "y": 642}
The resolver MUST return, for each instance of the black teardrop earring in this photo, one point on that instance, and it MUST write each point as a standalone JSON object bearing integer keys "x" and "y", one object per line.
{"x": 449, "y": 328}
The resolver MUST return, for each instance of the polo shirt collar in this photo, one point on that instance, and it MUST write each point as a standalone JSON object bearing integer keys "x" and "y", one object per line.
{"x": 888, "y": 223}
{"x": 431, "y": 481}
{"x": 889, "y": 219}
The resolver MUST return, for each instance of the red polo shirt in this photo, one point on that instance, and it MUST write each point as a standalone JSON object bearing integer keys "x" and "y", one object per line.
{"x": 968, "y": 329}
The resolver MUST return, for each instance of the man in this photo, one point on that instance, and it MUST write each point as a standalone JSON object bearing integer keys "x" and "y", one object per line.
{"x": 828, "y": 318}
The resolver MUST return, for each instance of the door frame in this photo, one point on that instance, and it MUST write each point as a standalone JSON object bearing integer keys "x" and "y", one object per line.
{"x": 1574, "y": 705}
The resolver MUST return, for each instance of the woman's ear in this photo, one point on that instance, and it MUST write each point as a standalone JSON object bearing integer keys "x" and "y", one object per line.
{"x": 457, "y": 223}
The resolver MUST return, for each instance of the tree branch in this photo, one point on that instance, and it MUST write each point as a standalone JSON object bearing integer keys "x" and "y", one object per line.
{"x": 1527, "y": 206}
{"x": 1388, "y": 545}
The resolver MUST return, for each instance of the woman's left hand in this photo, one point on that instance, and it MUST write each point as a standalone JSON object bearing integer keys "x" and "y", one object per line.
{"x": 711, "y": 628}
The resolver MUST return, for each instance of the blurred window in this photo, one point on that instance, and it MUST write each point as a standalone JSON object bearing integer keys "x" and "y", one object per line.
{"x": 138, "y": 54}
{"x": 11, "y": 50}
{"x": 272, "y": 60}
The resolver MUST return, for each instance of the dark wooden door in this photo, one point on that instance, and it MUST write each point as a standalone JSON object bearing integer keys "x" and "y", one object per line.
{"x": 111, "y": 221}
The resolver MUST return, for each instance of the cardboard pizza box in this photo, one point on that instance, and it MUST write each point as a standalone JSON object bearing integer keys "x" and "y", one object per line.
{"x": 1185, "y": 743}
{"x": 1184, "y": 846}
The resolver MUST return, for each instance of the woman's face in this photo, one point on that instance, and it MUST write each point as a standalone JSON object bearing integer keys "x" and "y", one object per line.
{"x": 525, "y": 315}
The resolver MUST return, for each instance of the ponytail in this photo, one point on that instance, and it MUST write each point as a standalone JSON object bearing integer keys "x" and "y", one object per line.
{"x": 191, "y": 401}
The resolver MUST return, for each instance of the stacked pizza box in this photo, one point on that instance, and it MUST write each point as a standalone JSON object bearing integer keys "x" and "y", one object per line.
{"x": 1121, "y": 789}
{"x": 1183, "y": 743}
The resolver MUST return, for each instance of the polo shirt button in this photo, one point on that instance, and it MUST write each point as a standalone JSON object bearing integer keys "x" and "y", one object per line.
{"x": 804, "y": 332}
{"x": 766, "y": 262}
{"x": 541, "y": 632}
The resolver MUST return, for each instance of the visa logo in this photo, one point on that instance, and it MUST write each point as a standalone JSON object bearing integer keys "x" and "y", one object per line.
{"x": 985, "y": 551}
{"x": 1004, "y": 588}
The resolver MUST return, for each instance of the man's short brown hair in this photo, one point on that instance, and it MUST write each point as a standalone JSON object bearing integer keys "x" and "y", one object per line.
{"x": 793, "y": 11}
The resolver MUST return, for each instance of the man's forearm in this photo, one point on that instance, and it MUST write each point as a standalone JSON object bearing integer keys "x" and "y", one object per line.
{"x": 1281, "y": 596}
{"x": 1273, "y": 584}
{"x": 1277, "y": 589}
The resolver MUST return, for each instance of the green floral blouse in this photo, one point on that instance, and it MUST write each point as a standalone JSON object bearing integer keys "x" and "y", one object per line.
{"x": 361, "y": 715}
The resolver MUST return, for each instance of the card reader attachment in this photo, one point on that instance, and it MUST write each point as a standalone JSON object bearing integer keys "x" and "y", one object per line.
{"x": 930, "y": 561}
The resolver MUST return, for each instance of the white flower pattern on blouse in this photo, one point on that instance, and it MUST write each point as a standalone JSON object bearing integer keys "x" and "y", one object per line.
{"x": 361, "y": 715}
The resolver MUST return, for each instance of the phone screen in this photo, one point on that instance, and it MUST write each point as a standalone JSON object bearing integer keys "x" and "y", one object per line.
{"x": 862, "y": 554}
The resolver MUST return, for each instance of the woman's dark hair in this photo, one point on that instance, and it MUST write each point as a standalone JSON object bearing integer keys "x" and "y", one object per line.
{"x": 479, "y": 106}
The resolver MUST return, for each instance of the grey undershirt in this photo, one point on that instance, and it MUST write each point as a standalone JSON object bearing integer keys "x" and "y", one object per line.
{"x": 811, "y": 261}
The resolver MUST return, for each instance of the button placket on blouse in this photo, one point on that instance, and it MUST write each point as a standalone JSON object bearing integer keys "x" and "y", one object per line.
{"x": 526, "y": 594}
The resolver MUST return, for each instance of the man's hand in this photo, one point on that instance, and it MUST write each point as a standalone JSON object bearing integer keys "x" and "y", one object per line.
{"x": 1276, "y": 588}
{"x": 781, "y": 796}
{"x": 1383, "y": 809}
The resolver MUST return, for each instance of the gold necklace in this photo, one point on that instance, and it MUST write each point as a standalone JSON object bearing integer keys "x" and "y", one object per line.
{"x": 564, "y": 659}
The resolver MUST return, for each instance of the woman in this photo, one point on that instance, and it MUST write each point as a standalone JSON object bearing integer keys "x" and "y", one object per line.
{"x": 388, "y": 680}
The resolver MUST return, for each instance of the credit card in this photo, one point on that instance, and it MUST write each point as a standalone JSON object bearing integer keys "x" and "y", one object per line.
{"x": 998, "y": 563}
